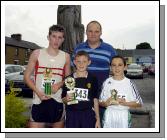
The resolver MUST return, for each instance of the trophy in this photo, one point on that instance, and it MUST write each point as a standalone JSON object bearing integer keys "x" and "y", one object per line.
{"x": 114, "y": 97}
{"x": 48, "y": 81}
{"x": 70, "y": 84}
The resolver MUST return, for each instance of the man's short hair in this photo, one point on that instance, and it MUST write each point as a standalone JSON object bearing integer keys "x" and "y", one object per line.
{"x": 94, "y": 21}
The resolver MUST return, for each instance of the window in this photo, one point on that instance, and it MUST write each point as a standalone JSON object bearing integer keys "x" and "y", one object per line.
{"x": 17, "y": 51}
{"x": 26, "y": 62}
{"x": 9, "y": 69}
{"x": 18, "y": 68}
{"x": 27, "y": 52}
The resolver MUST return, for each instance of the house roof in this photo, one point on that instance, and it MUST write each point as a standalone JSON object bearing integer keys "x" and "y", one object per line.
{"x": 127, "y": 53}
{"x": 144, "y": 52}
{"x": 22, "y": 44}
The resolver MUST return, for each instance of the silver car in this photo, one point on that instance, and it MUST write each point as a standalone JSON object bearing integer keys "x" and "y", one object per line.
{"x": 12, "y": 71}
{"x": 134, "y": 71}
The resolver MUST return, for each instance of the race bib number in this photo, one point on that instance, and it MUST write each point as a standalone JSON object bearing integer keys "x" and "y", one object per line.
{"x": 81, "y": 94}
{"x": 53, "y": 81}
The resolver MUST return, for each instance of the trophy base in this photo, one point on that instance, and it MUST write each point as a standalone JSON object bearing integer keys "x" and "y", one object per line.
{"x": 71, "y": 93}
{"x": 72, "y": 102}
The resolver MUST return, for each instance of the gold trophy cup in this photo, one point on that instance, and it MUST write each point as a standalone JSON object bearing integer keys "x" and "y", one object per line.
{"x": 70, "y": 84}
{"x": 114, "y": 97}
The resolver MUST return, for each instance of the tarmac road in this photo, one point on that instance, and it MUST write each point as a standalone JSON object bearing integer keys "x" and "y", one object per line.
{"x": 146, "y": 87}
{"x": 145, "y": 117}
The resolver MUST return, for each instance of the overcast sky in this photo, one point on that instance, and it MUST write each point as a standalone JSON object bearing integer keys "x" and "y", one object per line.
{"x": 124, "y": 26}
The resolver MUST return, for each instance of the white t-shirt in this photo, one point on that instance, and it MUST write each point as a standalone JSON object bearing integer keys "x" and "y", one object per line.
{"x": 117, "y": 115}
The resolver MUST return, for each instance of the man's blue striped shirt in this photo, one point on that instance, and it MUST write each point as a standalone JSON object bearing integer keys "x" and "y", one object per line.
{"x": 100, "y": 58}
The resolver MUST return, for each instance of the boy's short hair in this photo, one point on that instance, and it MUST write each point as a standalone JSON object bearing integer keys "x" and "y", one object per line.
{"x": 82, "y": 53}
{"x": 118, "y": 56}
{"x": 58, "y": 28}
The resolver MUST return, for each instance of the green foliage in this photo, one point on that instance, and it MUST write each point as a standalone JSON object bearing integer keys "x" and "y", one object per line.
{"x": 143, "y": 45}
{"x": 14, "y": 109}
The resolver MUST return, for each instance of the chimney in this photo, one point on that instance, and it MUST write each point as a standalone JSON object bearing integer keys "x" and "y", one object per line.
{"x": 16, "y": 37}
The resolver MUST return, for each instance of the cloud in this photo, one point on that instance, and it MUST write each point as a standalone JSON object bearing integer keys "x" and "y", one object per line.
{"x": 122, "y": 25}
{"x": 32, "y": 21}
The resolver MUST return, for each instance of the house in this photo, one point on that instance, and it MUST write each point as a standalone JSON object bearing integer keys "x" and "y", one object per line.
{"x": 17, "y": 51}
{"x": 140, "y": 56}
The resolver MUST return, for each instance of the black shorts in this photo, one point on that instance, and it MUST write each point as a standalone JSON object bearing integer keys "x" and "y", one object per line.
{"x": 80, "y": 119}
{"x": 48, "y": 111}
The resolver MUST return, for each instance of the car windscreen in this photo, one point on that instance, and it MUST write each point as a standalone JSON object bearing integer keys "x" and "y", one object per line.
{"x": 134, "y": 67}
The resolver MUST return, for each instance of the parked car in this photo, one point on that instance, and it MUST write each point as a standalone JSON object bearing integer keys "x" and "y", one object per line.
{"x": 24, "y": 67}
{"x": 146, "y": 67}
{"x": 17, "y": 84}
{"x": 151, "y": 69}
{"x": 134, "y": 71}
{"x": 12, "y": 70}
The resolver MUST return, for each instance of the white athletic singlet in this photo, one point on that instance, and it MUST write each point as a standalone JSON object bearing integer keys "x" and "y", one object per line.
{"x": 56, "y": 64}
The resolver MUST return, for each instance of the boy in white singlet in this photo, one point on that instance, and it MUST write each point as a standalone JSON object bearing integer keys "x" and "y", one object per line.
{"x": 118, "y": 95}
{"x": 48, "y": 63}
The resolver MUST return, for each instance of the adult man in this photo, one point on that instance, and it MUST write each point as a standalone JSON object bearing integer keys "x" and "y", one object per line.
{"x": 100, "y": 53}
{"x": 55, "y": 64}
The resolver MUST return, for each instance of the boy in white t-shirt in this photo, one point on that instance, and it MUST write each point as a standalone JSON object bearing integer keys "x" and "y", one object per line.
{"x": 118, "y": 95}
